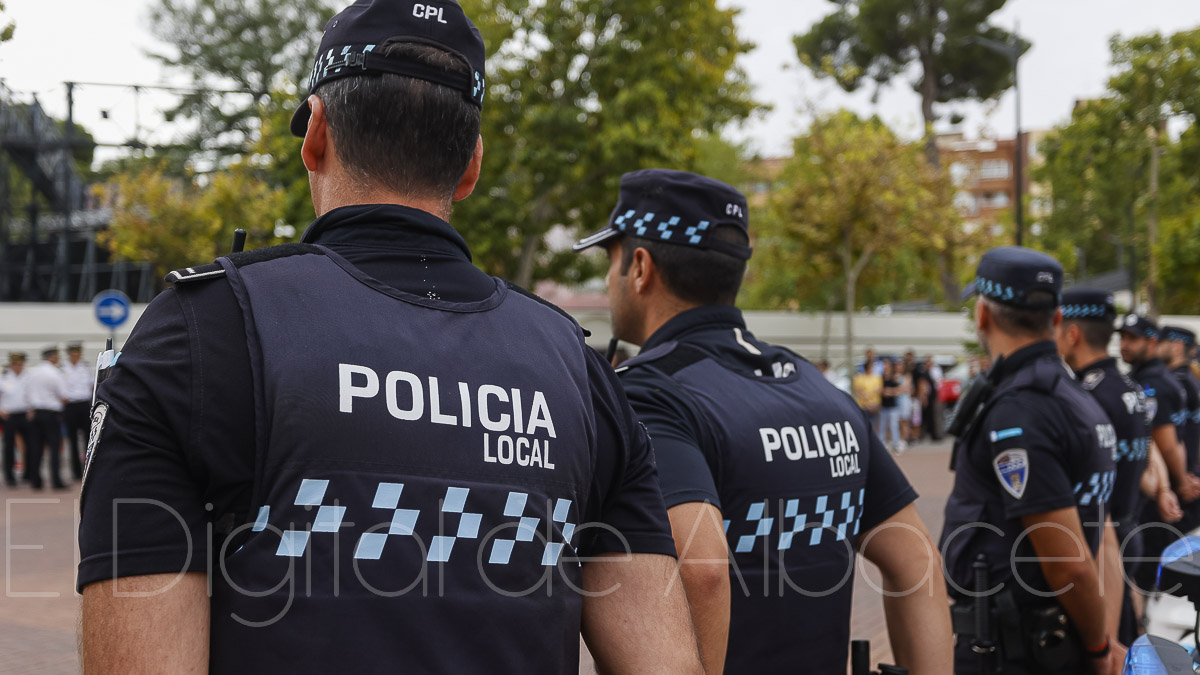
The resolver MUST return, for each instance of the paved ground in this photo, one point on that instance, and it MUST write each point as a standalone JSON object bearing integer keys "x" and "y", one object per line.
{"x": 39, "y": 612}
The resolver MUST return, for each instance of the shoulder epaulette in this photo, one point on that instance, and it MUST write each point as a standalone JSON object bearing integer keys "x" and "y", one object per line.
{"x": 198, "y": 273}
{"x": 215, "y": 270}
{"x": 533, "y": 296}
{"x": 670, "y": 358}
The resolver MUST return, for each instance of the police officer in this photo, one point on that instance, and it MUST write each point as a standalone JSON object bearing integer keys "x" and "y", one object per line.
{"x": 1083, "y": 338}
{"x": 1167, "y": 408}
{"x": 772, "y": 477}
{"x": 46, "y": 390}
{"x": 80, "y": 378}
{"x": 404, "y": 464}
{"x": 1173, "y": 350}
{"x": 1033, "y": 473}
{"x": 14, "y": 409}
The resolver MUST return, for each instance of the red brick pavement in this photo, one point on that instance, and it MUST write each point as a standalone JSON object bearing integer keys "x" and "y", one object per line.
{"x": 39, "y": 612}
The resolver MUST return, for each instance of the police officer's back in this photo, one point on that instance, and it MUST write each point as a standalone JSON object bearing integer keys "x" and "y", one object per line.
{"x": 763, "y": 462}
{"x": 379, "y": 458}
{"x": 1033, "y": 474}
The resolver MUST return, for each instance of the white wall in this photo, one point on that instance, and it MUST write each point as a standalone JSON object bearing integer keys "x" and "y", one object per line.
{"x": 29, "y": 326}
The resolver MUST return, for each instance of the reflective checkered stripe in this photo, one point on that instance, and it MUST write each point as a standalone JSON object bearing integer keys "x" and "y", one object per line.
{"x": 444, "y": 524}
{"x": 1096, "y": 490}
{"x": 1084, "y": 311}
{"x": 651, "y": 225}
{"x": 779, "y": 525}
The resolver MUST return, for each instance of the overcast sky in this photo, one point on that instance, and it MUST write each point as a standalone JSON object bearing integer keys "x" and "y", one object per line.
{"x": 105, "y": 41}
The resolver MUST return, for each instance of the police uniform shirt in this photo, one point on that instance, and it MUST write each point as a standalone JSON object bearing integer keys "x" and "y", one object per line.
{"x": 1165, "y": 398}
{"x": 179, "y": 414}
{"x": 1035, "y": 449}
{"x": 1189, "y": 418}
{"x": 1125, "y": 404}
{"x": 12, "y": 393}
{"x": 80, "y": 377}
{"x": 46, "y": 387}
{"x": 791, "y": 463}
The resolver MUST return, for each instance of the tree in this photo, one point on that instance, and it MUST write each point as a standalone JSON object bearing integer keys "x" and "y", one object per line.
{"x": 175, "y": 222}
{"x": 579, "y": 92}
{"x": 1113, "y": 173}
{"x": 6, "y": 32}
{"x": 1094, "y": 169}
{"x": 1157, "y": 79}
{"x": 879, "y": 40}
{"x": 854, "y": 200}
{"x": 259, "y": 46}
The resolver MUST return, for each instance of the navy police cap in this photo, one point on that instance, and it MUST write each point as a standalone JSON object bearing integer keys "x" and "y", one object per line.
{"x": 676, "y": 207}
{"x": 1136, "y": 324}
{"x": 1179, "y": 334}
{"x": 351, "y": 39}
{"x": 1010, "y": 274}
{"x": 1089, "y": 304}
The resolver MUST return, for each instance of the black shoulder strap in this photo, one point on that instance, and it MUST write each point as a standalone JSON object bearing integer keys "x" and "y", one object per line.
{"x": 533, "y": 296}
{"x": 215, "y": 270}
{"x": 670, "y": 358}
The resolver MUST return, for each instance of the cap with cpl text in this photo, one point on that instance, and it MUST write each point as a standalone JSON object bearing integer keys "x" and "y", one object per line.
{"x": 676, "y": 207}
{"x": 1179, "y": 334}
{"x": 1136, "y": 324}
{"x": 1091, "y": 304}
{"x": 349, "y": 44}
{"x": 1010, "y": 274}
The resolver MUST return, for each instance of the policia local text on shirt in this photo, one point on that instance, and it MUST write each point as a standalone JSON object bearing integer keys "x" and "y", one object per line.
{"x": 304, "y": 431}
{"x": 1034, "y": 470}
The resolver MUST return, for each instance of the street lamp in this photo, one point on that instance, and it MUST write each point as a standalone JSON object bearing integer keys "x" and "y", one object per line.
{"x": 1013, "y": 51}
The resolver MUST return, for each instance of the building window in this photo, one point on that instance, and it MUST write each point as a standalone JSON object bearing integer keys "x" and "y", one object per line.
{"x": 995, "y": 169}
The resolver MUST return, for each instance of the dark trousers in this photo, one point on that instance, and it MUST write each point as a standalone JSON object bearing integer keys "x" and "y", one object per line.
{"x": 15, "y": 425}
{"x": 77, "y": 418}
{"x": 45, "y": 435}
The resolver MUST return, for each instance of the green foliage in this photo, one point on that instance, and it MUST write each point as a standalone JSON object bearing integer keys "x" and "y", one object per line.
{"x": 878, "y": 40}
{"x": 1098, "y": 169}
{"x": 579, "y": 92}
{"x": 259, "y": 46}
{"x": 6, "y": 32}
{"x": 175, "y": 222}
{"x": 856, "y": 207}
{"x": 1095, "y": 170}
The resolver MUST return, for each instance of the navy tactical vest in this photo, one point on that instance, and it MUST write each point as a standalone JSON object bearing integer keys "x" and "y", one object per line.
{"x": 421, "y": 470}
{"x": 975, "y": 518}
{"x": 791, "y": 474}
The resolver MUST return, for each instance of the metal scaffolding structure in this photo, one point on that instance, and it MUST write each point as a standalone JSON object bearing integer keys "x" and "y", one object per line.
{"x": 49, "y": 252}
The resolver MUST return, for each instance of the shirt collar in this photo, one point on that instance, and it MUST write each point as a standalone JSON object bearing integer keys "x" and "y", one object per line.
{"x": 1010, "y": 364}
{"x": 1151, "y": 364}
{"x": 1106, "y": 363}
{"x": 697, "y": 318}
{"x": 386, "y": 225}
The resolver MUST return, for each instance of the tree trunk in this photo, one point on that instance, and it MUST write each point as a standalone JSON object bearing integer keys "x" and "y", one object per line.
{"x": 529, "y": 248}
{"x": 827, "y": 327}
{"x": 1152, "y": 223}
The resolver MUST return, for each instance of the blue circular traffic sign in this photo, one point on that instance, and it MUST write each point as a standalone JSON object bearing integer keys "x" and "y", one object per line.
{"x": 111, "y": 308}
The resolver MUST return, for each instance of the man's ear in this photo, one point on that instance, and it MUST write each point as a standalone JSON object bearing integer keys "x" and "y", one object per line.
{"x": 642, "y": 272}
{"x": 983, "y": 316}
{"x": 1057, "y": 317}
{"x": 471, "y": 176}
{"x": 316, "y": 139}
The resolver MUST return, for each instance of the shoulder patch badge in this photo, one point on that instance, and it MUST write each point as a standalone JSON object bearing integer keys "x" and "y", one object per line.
{"x": 1092, "y": 379}
{"x": 1012, "y": 468}
{"x": 99, "y": 414}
